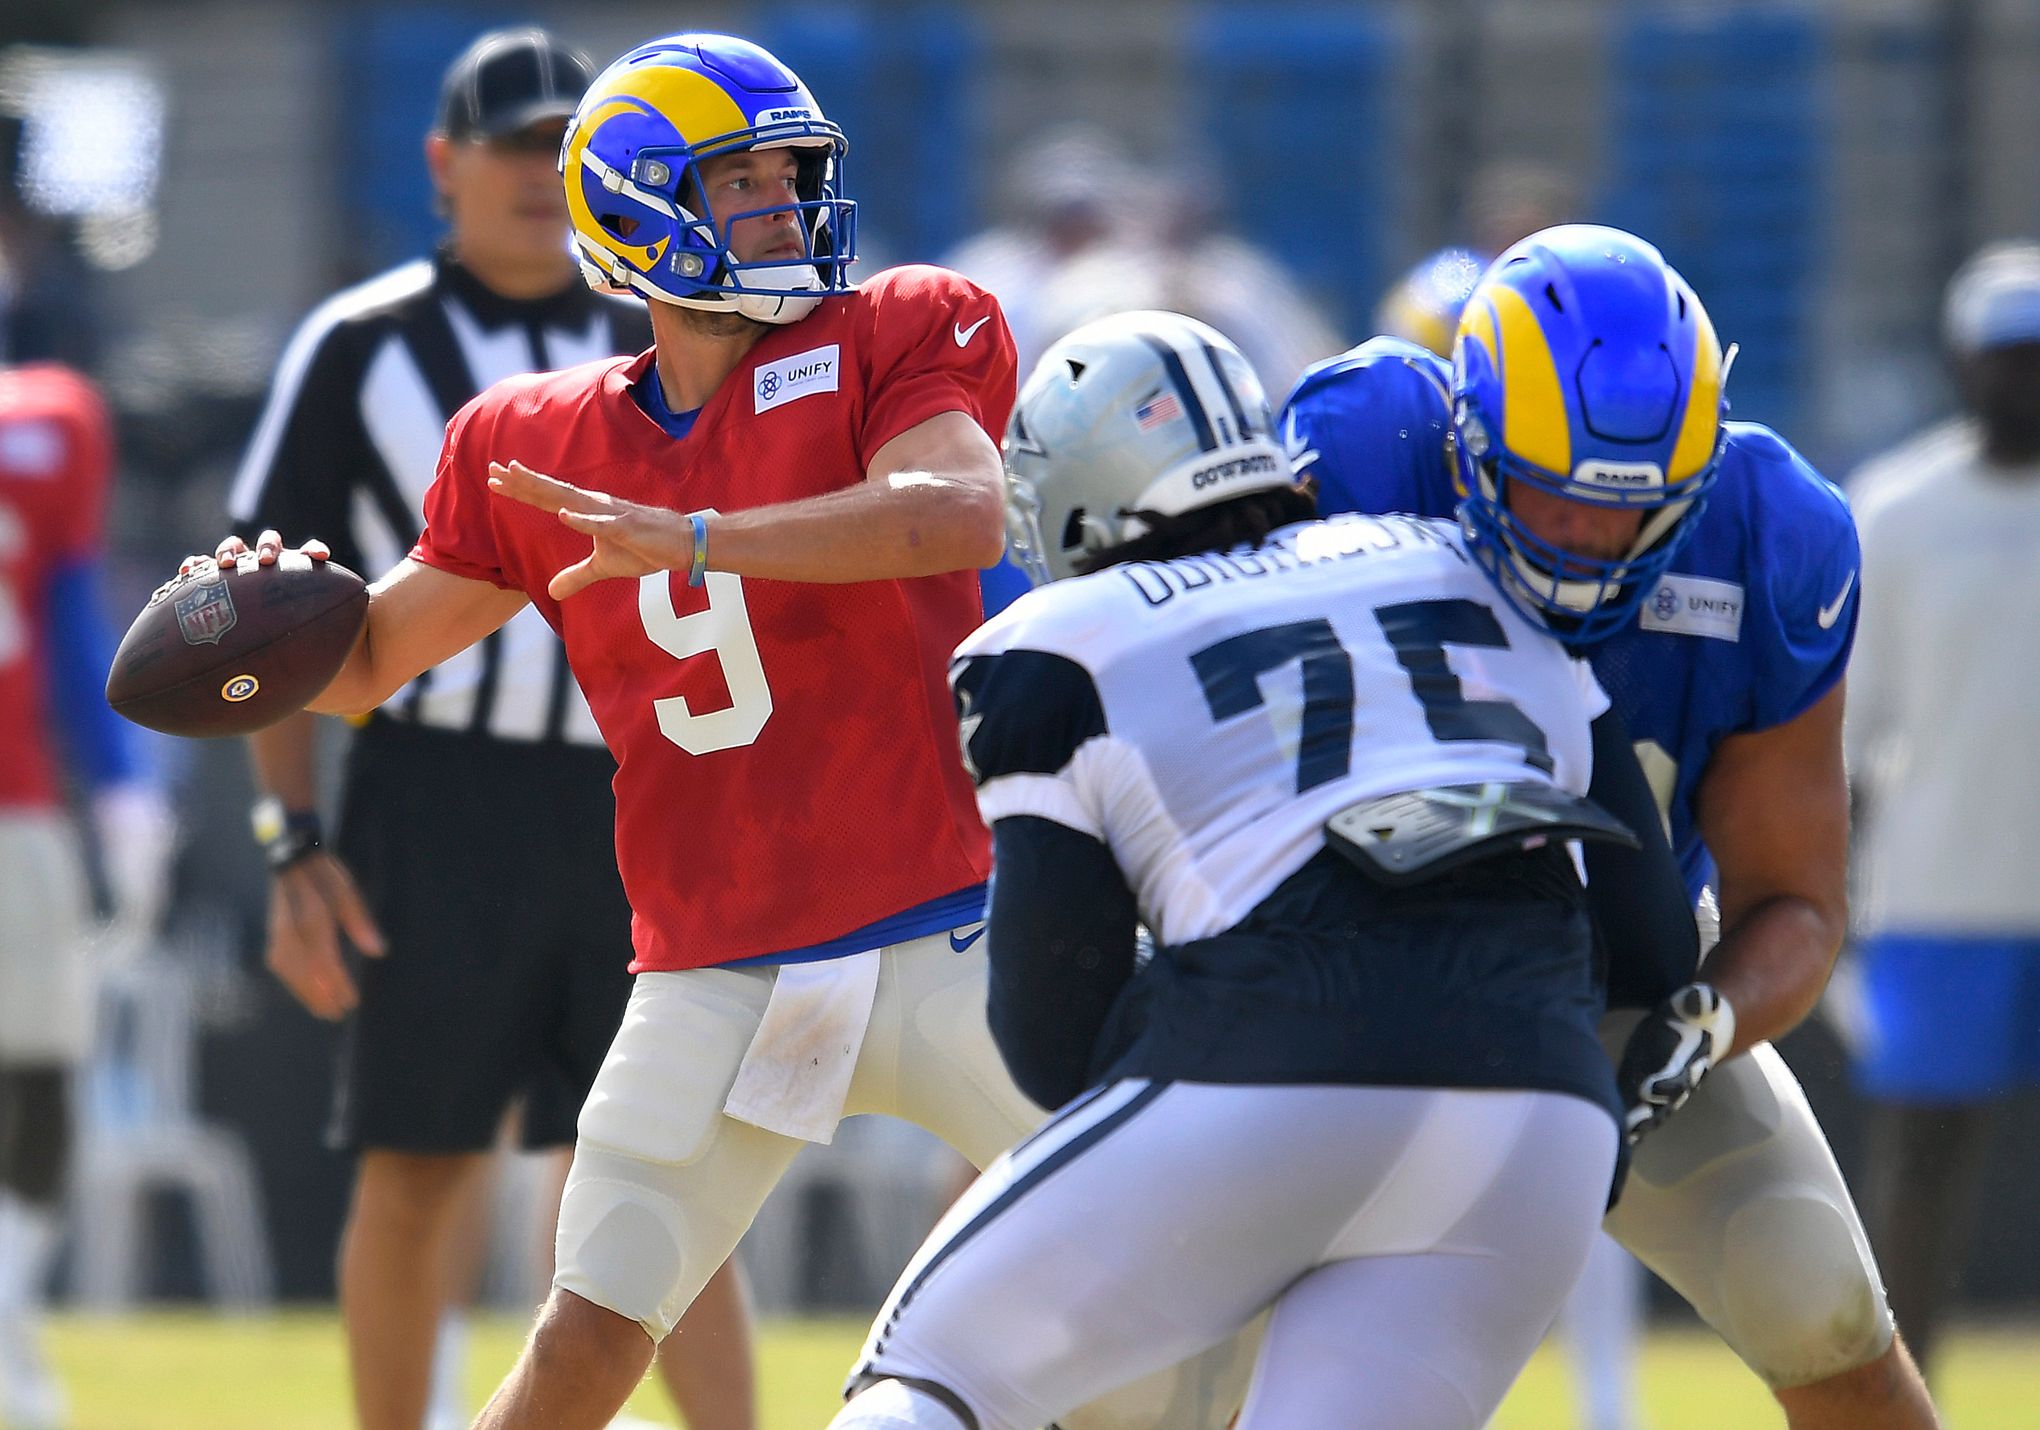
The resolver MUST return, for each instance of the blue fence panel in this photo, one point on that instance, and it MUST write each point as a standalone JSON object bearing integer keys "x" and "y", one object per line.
{"x": 390, "y": 62}
{"x": 1309, "y": 98}
{"x": 1720, "y": 155}
{"x": 899, "y": 81}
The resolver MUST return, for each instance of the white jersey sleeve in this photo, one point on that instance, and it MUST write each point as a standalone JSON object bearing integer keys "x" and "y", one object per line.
{"x": 1206, "y": 737}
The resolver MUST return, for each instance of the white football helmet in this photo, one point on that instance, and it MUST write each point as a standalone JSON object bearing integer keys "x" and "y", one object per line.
{"x": 1137, "y": 412}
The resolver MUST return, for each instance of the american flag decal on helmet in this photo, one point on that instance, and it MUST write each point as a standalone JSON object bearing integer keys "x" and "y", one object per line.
{"x": 1160, "y": 407}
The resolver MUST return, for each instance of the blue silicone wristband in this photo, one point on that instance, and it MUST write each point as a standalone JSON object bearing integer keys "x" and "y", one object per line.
{"x": 697, "y": 569}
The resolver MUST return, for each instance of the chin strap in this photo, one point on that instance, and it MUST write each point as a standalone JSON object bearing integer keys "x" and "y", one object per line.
{"x": 777, "y": 308}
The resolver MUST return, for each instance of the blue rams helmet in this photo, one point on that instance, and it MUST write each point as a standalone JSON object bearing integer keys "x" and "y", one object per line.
{"x": 642, "y": 221}
{"x": 1586, "y": 368}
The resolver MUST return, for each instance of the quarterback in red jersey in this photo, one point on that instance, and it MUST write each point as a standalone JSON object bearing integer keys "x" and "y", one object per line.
{"x": 772, "y": 725}
{"x": 759, "y": 542}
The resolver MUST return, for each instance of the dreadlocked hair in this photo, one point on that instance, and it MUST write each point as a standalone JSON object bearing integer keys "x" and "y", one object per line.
{"x": 1243, "y": 521}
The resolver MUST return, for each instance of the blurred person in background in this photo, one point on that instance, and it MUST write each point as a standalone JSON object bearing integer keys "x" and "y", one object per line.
{"x": 498, "y": 964}
{"x": 1941, "y": 756}
{"x": 56, "y": 469}
{"x": 1423, "y": 306}
{"x": 1155, "y": 244}
{"x": 48, "y": 293}
{"x": 1178, "y": 256}
{"x": 1586, "y": 367}
{"x": 1070, "y": 191}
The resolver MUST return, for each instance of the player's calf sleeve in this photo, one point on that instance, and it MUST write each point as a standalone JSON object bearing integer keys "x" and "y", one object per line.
{"x": 905, "y": 1405}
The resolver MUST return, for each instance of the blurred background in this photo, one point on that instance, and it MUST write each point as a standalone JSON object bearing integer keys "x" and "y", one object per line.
{"x": 183, "y": 181}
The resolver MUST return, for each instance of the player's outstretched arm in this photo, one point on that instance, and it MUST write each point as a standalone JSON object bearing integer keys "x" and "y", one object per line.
{"x": 418, "y": 616}
{"x": 933, "y": 500}
{"x": 1774, "y": 809}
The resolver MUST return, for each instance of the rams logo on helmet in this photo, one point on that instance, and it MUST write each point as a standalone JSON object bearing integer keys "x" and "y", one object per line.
{"x": 642, "y": 220}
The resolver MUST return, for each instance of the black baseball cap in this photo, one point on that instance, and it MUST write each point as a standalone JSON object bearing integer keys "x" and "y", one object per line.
{"x": 509, "y": 79}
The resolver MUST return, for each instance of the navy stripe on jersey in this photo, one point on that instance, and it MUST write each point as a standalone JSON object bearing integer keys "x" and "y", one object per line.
{"x": 1066, "y": 1137}
{"x": 1024, "y": 712}
{"x": 1193, "y": 405}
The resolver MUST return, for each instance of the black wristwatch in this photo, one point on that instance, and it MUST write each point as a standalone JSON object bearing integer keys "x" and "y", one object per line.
{"x": 286, "y": 835}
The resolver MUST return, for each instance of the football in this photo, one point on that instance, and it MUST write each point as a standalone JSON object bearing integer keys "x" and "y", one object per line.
{"x": 223, "y": 650}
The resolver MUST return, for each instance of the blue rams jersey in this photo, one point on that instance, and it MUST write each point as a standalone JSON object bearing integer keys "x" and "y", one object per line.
{"x": 1751, "y": 625}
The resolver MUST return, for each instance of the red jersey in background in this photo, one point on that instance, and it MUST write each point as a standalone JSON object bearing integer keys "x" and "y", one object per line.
{"x": 56, "y": 455}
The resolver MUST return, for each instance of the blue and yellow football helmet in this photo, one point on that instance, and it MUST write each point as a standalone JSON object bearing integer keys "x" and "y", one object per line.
{"x": 1584, "y": 367}
{"x": 641, "y": 222}
{"x": 1424, "y": 305}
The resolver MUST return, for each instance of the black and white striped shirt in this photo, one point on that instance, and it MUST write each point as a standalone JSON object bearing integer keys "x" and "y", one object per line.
{"x": 350, "y": 439}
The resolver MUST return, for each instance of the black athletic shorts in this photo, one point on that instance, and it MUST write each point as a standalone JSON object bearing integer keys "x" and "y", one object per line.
{"x": 491, "y": 868}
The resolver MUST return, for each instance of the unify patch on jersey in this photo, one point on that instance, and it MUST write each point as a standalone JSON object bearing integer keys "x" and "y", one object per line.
{"x": 1695, "y": 606}
{"x": 802, "y": 375}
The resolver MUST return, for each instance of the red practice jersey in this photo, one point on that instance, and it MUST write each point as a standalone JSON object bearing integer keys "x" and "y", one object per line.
{"x": 56, "y": 453}
{"x": 788, "y": 764}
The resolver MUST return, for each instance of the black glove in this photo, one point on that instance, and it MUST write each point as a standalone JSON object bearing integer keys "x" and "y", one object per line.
{"x": 1668, "y": 1054}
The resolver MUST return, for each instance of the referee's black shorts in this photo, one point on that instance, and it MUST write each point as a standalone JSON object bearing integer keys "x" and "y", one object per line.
{"x": 491, "y": 868}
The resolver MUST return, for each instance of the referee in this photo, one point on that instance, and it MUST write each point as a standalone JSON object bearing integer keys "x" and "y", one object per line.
{"x": 477, "y": 804}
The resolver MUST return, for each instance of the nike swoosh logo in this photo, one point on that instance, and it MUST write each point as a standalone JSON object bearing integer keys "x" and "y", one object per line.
{"x": 962, "y": 944}
{"x": 1827, "y": 615}
{"x": 964, "y": 335}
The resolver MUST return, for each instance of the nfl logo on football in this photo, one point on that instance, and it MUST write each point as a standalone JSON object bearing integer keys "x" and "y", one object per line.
{"x": 205, "y": 613}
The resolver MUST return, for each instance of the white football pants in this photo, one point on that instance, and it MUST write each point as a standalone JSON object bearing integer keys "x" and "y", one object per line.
{"x": 1413, "y": 1244}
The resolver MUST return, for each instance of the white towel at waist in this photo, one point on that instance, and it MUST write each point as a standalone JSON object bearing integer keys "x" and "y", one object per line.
{"x": 796, "y": 1074}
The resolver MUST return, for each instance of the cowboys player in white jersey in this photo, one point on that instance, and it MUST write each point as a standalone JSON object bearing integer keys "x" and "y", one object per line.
{"x": 1358, "y": 1083}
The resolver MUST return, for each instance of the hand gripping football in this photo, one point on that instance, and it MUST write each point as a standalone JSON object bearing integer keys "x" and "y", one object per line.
{"x": 223, "y": 650}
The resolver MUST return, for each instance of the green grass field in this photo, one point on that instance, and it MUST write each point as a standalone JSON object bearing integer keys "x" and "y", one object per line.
{"x": 199, "y": 1372}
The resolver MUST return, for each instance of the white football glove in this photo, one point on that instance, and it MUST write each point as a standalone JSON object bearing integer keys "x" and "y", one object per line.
{"x": 1670, "y": 1051}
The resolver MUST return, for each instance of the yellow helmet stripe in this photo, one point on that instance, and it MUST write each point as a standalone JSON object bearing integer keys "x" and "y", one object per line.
{"x": 1533, "y": 408}
{"x": 586, "y": 226}
{"x": 1700, "y": 426}
{"x": 1478, "y": 323}
{"x": 695, "y": 105}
